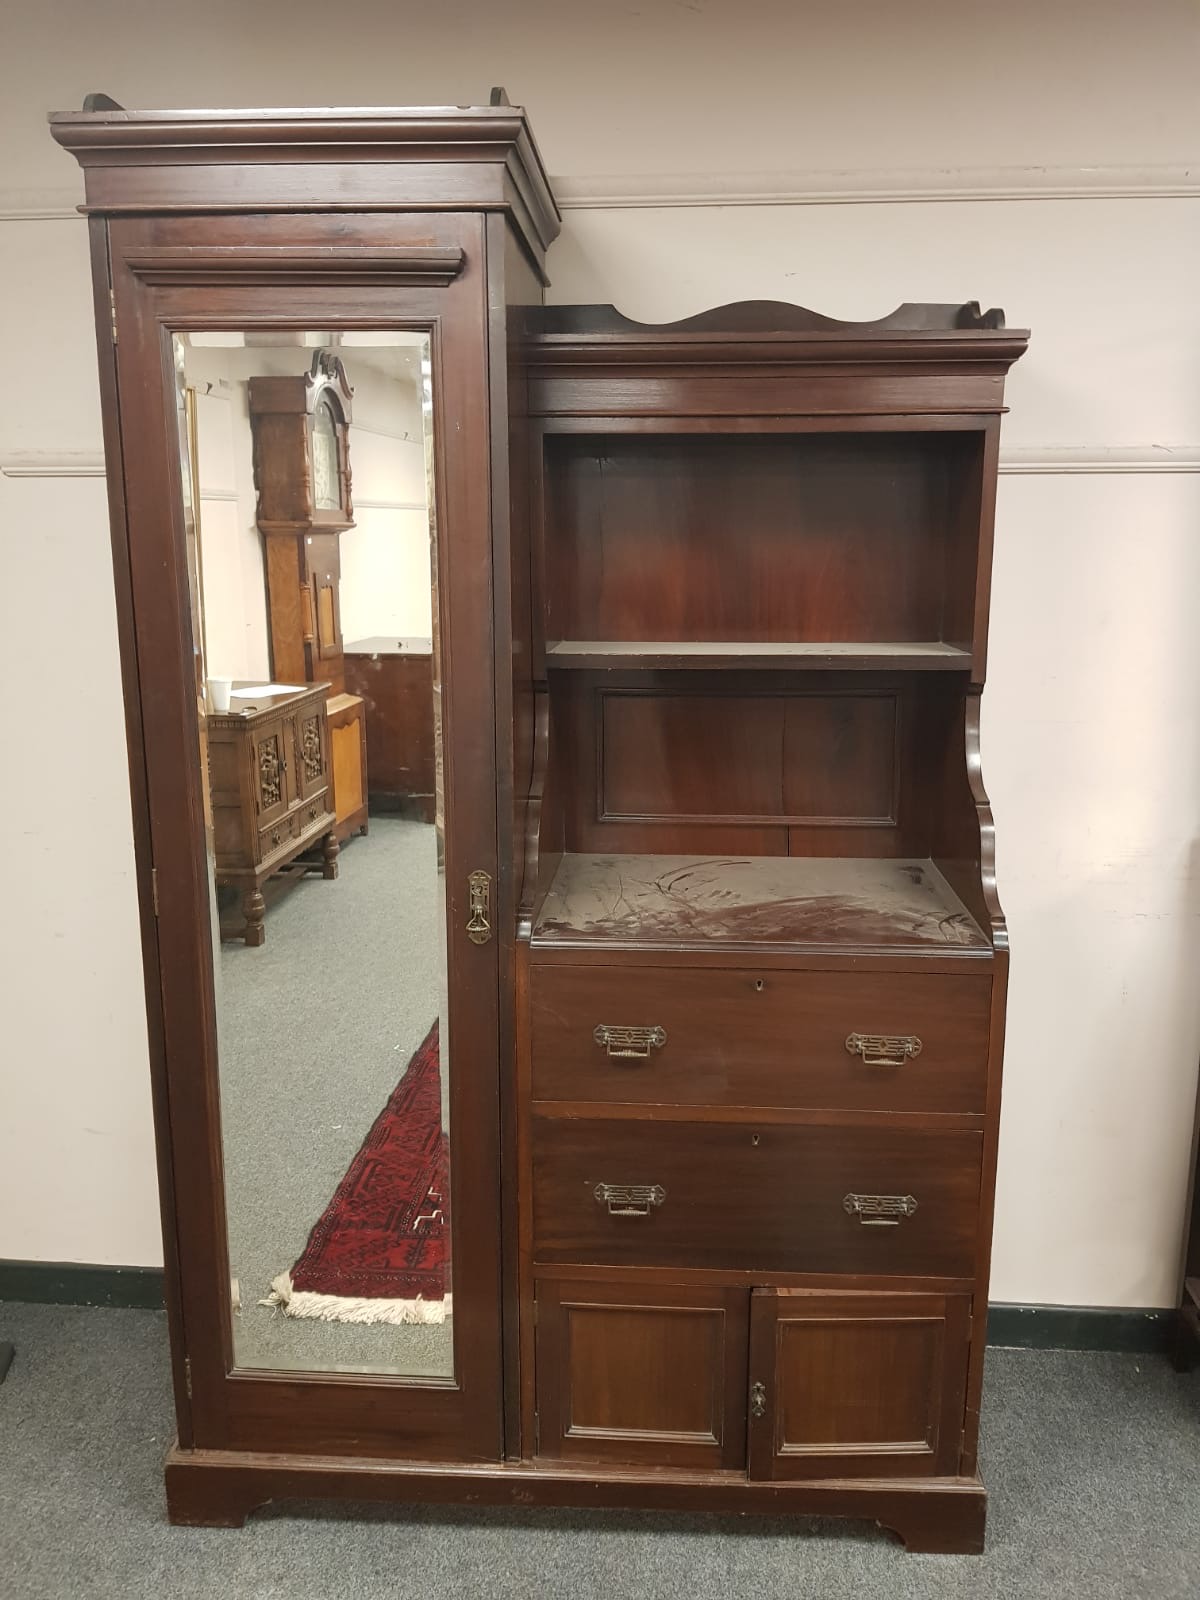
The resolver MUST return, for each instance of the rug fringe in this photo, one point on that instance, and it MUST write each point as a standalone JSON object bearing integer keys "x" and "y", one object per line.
{"x": 343, "y": 1308}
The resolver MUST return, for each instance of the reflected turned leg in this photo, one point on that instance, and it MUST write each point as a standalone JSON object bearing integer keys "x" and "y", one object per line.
{"x": 330, "y": 849}
{"x": 254, "y": 908}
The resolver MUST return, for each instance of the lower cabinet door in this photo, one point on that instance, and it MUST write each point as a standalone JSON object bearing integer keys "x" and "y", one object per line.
{"x": 856, "y": 1384}
{"x": 641, "y": 1374}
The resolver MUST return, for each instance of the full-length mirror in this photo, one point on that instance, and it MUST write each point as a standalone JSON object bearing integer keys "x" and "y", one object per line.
{"x": 313, "y": 558}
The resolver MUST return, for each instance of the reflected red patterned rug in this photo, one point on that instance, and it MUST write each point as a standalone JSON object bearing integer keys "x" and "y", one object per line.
{"x": 380, "y": 1252}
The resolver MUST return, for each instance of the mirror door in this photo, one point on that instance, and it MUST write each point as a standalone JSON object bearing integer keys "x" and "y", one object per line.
{"x": 310, "y": 553}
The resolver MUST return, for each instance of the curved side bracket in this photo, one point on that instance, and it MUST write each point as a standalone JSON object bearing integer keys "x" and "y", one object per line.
{"x": 986, "y": 823}
{"x": 540, "y": 852}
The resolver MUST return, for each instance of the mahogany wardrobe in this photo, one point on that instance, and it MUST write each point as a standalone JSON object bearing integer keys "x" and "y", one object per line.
{"x": 576, "y": 1032}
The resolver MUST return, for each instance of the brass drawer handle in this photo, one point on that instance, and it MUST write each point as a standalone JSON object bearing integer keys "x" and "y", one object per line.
{"x": 629, "y": 1044}
{"x": 879, "y": 1210}
{"x": 629, "y": 1199}
{"x": 883, "y": 1049}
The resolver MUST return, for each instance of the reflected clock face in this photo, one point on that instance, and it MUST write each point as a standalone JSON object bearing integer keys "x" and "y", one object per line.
{"x": 326, "y": 496}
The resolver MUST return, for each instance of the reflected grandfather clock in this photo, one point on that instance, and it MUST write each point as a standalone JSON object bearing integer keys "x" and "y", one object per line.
{"x": 301, "y": 428}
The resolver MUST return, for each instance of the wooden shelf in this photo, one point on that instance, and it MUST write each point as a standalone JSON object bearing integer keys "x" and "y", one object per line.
{"x": 755, "y": 902}
{"x": 732, "y": 654}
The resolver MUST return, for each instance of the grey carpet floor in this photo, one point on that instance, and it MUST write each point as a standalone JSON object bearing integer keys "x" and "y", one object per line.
{"x": 1093, "y": 1462}
{"x": 315, "y": 1029}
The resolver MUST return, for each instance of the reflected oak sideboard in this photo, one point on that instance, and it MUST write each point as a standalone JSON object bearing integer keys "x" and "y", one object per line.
{"x": 729, "y": 1021}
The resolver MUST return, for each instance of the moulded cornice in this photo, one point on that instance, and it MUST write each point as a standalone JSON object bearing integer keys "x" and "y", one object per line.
{"x": 350, "y": 264}
{"x": 118, "y": 149}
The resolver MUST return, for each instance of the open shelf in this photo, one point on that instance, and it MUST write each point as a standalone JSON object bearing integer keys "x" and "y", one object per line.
{"x": 663, "y": 655}
{"x": 763, "y": 903}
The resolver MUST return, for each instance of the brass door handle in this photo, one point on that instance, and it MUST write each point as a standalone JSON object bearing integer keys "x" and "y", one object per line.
{"x": 629, "y": 1044}
{"x": 629, "y": 1199}
{"x": 479, "y": 925}
{"x": 883, "y": 1049}
{"x": 879, "y": 1210}
{"x": 758, "y": 1400}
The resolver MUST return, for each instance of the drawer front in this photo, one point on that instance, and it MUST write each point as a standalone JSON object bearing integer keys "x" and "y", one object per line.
{"x": 302, "y": 821}
{"x": 732, "y": 1037}
{"x": 769, "y": 1199}
{"x": 279, "y": 836}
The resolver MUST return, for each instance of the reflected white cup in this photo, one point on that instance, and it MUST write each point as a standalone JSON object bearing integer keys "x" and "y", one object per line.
{"x": 218, "y": 694}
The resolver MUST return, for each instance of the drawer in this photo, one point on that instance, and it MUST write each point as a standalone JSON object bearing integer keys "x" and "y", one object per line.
{"x": 764, "y": 1199}
{"x": 741, "y": 1037}
{"x": 304, "y": 820}
{"x": 278, "y": 835}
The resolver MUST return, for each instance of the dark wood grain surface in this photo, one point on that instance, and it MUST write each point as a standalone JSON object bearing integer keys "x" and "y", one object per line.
{"x": 746, "y": 1038}
{"x": 765, "y": 1197}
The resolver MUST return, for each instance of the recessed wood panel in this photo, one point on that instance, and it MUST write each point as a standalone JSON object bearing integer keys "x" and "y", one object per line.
{"x": 839, "y": 758}
{"x": 658, "y": 756}
{"x": 645, "y": 1370}
{"x": 838, "y": 1388}
{"x": 642, "y": 1373}
{"x": 857, "y": 1384}
{"x": 756, "y": 763}
{"x": 805, "y": 758}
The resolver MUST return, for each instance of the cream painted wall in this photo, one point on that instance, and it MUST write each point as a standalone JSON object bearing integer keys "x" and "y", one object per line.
{"x": 386, "y": 586}
{"x": 1092, "y": 713}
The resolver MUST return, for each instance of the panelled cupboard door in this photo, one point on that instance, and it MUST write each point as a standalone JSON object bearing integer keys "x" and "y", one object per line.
{"x": 642, "y": 1374}
{"x": 200, "y": 303}
{"x": 856, "y": 1384}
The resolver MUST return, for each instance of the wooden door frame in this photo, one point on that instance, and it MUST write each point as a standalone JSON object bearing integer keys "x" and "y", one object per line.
{"x": 173, "y": 274}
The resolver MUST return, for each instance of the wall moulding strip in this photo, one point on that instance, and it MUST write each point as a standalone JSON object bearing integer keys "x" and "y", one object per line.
{"x": 1067, "y": 458}
{"x": 1093, "y": 459}
{"x": 53, "y": 464}
{"x": 862, "y": 186}
{"x": 912, "y": 186}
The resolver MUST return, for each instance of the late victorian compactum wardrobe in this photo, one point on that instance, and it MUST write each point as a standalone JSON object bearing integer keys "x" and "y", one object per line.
{"x": 631, "y": 1106}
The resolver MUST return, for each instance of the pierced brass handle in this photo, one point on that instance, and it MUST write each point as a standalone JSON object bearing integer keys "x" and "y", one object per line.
{"x": 479, "y": 926}
{"x": 629, "y": 1044}
{"x": 879, "y": 1210}
{"x": 758, "y": 1400}
{"x": 883, "y": 1049}
{"x": 629, "y": 1199}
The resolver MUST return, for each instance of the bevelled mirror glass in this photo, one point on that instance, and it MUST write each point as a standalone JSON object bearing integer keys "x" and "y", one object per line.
{"x": 313, "y": 557}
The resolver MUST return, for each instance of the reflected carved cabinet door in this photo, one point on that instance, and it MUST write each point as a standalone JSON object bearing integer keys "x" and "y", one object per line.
{"x": 612, "y": 1119}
